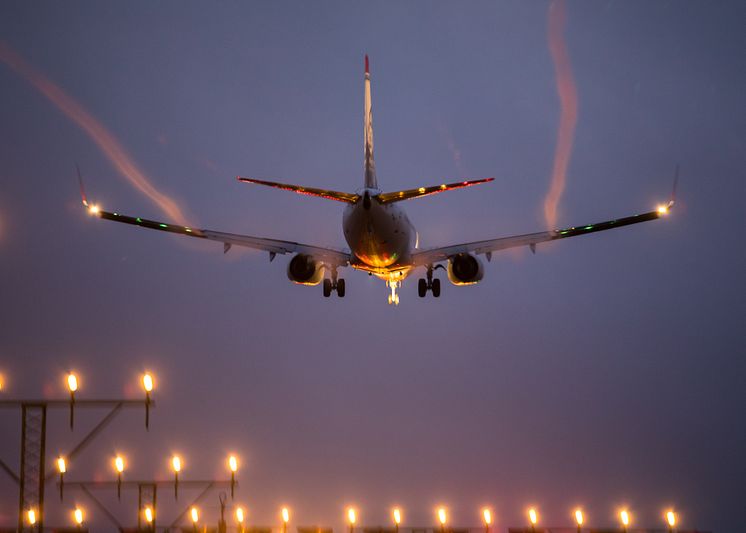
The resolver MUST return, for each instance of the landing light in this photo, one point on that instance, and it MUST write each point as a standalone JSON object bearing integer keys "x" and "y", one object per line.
{"x": 662, "y": 209}
{"x": 94, "y": 209}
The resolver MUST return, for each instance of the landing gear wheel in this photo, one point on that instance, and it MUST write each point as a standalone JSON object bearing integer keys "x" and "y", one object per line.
{"x": 436, "y": 288}
{"x": 341, "y": 288}
{"x": 327, "y": 287}
{"x": 422, "y": 287}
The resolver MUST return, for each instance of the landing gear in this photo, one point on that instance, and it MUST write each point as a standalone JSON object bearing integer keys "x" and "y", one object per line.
{"x": 334, "y": 284}
{"x": 423, "y": 285}
{"x": 393, "y": 297}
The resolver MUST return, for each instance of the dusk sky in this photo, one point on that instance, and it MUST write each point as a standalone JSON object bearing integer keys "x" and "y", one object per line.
{"x": 605, "y": 371}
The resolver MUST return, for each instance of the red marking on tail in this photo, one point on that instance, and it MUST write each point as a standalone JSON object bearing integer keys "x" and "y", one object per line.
{"x": 367, "y": 70}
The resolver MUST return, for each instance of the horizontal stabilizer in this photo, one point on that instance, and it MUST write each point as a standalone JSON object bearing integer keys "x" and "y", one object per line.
{"x": 347, "y": 197}
{"x": 388, "y": 197}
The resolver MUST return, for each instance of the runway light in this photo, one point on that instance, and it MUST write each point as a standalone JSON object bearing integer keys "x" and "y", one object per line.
{"x": 31, "y": 517}
{"x": 149, "y": 516}
{"x": 533, "y": 516}
{"x": 194, "y": 514}
{"x": 285, "y": 515}
{"x": 397, "y": 516}
{"x": 442, "y": 516}
{"x": 487, "y": 515}
{"x": 72, "y": 382}
{"x": 579, "y": 517}
{"x": 61, "y": 466}
{"x": 671, "y": 518}
{"x": 624, "y": 517}
{"x": 78, "y": 515}
{"x": 351, "y": 516}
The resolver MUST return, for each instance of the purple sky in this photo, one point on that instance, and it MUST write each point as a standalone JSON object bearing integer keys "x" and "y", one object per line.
{"x": 604, "y": 371}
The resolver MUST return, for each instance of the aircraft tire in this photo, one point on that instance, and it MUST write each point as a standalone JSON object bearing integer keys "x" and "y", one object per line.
{"x": 422, "y": 287}
{"x": 436, "y": 288}
{"x": 341, "y": 288}
{"x": 327, "y": 287}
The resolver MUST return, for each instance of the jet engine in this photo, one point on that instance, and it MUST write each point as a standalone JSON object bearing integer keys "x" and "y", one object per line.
{"x": 305, "y": 270}
{"x": 464, "y": 269}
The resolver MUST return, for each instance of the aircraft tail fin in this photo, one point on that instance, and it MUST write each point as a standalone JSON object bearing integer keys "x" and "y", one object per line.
{"x": 347, "y": 197}
{"x": 370, "y": 166}
{"x": 398, "y": 196}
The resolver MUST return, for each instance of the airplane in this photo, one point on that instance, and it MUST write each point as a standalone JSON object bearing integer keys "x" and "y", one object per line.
{"x": 382, "y": 241}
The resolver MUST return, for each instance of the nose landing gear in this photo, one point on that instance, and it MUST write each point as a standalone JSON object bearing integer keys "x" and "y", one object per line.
{"x": 393, "y": 297}
{"x": 423, "y": 285}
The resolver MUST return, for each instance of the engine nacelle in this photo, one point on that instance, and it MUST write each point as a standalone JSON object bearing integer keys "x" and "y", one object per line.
{"x": 305, "y": 270}
{"x": 464, "y": 269}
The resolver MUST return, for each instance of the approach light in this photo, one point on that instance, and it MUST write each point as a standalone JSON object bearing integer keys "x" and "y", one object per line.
{"x": 233, "y": 465}
{"x": 239, "y": 515}
{"x": 2, "y": 382}
{"x": 285, "y": 515}
{"x": 119, "y": 467}
{"x": 351, "y": 516}
{"x": 78, "y": 516}
{"x": 148, "y": 384}
{"x": 442, "y": 516}
{"x": 397, "y": 516}
{"x": 579, "y": 517}
{"x": 671, "y": 518}
{"x": 533, "y": 516}
{"x": 149, "y": 515}
{"x": 61, "y": 466}
{"x": 194, "y": 513}
{"x": 31, "y": 516}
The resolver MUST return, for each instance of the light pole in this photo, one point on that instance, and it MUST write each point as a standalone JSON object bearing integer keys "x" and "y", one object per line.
{"x": 285, "y": 519}
{"x": 624, "y": 517}
{"x": 233, "y": 466}
{"x": 351, "y": 517}
{"x": 78, "y": 516}
{"x": 442, "y": 519}
{"x": 150, "y": 517}
{"x": 579, "y": 518}
{"x": 533, "y": 517}
{"x": 487, "y": 515}
{"x": 72, "y": 385}
{"x": 194, "y": 513}
{"x": 397, "y": 519}
{"x": 671, "y": 519}
{"x": 62, "y": 468}
{"x": 240, "y": 519}
{"x": 119, "y": 467}
{"x": 176, "y": 465}
{"x": 147, "y": 384}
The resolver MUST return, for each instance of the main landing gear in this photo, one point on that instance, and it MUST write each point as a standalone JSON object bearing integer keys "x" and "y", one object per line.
{"x": 423, "y": 285}
{"x": 334, "y": 284}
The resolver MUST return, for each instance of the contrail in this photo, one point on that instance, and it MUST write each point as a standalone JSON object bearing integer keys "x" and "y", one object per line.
{"x": 569, "y": 104}
{"x": 95, "y": 130}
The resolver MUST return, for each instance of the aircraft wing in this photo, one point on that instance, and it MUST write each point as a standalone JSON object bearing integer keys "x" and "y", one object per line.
{"x": 434, "y": 255}
{"x": 273, "y": 246}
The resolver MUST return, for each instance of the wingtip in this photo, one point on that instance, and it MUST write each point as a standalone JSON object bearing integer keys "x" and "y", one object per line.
{"x": 367, "y": 64}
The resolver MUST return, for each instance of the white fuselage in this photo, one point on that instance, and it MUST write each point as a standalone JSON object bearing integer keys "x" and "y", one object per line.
{"x": 381, "y": 237}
